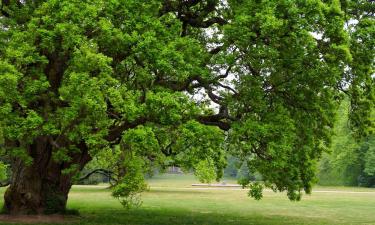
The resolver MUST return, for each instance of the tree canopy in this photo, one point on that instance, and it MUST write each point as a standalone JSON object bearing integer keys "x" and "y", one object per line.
{"x": 167, "y": 82}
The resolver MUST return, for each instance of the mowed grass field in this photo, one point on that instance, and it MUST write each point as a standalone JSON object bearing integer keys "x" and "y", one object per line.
{"x": 172, "y": 200}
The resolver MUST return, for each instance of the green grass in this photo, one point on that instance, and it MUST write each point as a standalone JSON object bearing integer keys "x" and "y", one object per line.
{"x": 172, "y": 201}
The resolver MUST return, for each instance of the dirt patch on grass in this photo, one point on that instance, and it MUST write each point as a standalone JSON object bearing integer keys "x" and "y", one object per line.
{"x": 37, "y": 219}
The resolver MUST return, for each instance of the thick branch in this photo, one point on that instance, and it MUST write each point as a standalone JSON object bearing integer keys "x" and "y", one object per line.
{"x": 216, "y": 50}
{"x": 221, "y": 119}
{"x": 197, "y": 22}
{"x": 116, "y": 131}
{"x": 225, "y": 75}
{"x": 215, "y": 98}
{"x": 214, "y": 120}
{"x": 194, "y": 16}
{"x": 228, "y": 88}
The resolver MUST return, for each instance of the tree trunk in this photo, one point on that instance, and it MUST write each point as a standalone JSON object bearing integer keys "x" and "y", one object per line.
{"x": 33, "y": 193}
{"x": 42, "y": 187}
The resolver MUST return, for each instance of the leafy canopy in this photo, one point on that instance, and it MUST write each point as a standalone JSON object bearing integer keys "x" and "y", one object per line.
{"x": 152, "y": 83}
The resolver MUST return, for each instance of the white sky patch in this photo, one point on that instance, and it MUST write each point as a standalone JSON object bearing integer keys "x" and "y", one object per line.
{"x": 317, "y": 36}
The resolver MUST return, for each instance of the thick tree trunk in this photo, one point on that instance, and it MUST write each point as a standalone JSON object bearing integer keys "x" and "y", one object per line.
{"x": 33, "y": 193}
{"x": 42, "y": 187}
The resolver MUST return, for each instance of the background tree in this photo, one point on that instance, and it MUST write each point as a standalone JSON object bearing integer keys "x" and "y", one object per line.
{"x": 168, "y": 80}
{"x": 348, "y": 162}
{"x": 351, "y": 155}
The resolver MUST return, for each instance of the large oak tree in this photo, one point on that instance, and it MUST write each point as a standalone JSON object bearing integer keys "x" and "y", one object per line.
{"x": 160, "y": 82}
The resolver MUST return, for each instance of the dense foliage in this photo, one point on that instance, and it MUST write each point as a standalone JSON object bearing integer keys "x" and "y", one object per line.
{"x": 140, "y": 84}
{"x": 349, "y": 162}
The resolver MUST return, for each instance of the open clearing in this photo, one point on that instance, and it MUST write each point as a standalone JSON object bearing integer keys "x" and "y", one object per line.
{"x": 171, "y": 201}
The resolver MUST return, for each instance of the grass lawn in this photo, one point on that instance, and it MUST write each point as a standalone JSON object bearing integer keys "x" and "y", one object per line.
{"x": 172, "y": 201}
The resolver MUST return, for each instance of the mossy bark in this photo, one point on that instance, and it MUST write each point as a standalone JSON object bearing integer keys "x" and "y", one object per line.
{"x": 42, "y": 187}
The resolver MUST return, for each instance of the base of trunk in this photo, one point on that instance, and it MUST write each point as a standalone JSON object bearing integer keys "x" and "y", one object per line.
{"x": 49, "y": 200}
{"x": 36, "y": 190}
{"x": 42, "y": 187}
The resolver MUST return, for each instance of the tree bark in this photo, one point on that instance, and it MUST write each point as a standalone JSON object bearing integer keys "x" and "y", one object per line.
{"x": 33, "y": 193}
{"x": 42, "y": 187}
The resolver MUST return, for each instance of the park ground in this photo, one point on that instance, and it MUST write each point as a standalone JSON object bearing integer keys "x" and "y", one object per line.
{"x": 172, "y": 200}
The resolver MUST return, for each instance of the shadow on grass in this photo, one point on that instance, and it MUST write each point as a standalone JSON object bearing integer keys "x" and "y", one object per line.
{"x": 155, "y": 216}
{"x": 170, "y": 216}
{"x": 95, "y": 213}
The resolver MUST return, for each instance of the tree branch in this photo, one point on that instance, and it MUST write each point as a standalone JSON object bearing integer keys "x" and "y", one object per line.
{"x": 214, "y": 120}
{"x": 216, "y": 50}
{"x": 228, "y": 88}
{"x": 98, "y": 171}
{"x": 116, "y": 131}
{"x": 190, "y": 15}
{"x": 7, "y": 183}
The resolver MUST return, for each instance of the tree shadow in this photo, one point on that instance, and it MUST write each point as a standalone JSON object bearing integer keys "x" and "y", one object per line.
{"x": 170, "y": 216}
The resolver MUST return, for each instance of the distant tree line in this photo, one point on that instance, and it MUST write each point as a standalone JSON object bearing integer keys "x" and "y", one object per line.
{"x": 239, "y": 169}
{"x": 349, "y": 161}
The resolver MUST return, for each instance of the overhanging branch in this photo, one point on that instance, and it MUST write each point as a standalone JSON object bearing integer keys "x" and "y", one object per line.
{"x": 7, "y": 183}
{"x": 104, "y": 172}
{"x": 214, "y": 120}
{"x": 116, "y": 131}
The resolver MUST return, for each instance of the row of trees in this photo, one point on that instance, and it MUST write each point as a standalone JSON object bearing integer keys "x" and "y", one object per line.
{"x": 348, "y": 161}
